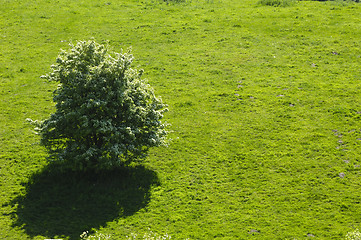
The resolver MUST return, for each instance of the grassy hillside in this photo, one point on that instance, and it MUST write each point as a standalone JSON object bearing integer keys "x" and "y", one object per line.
{"x": 265, "y": 110}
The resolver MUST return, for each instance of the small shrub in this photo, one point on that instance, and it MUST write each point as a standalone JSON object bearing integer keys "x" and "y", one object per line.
{"x": 277, "y": 3}
{"x": 106, "y": 114}
{"x": 355, "y": 235}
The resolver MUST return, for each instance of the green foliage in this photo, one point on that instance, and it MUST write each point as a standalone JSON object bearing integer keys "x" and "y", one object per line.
{"x": 354, "y": 235}
{"x": 106, "y": 115}
{"x": 277, "y": 3}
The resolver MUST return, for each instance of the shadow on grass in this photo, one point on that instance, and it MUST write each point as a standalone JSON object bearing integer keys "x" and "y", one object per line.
{"x": 60, "y": 204}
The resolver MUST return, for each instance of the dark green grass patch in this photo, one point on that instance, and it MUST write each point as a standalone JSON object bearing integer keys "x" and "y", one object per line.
{"x": 58, "y": 204}
{"x": 265, "y": 112}
{"x": 277, "y": 3}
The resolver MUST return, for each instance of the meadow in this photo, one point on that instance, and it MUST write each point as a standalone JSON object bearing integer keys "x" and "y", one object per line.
{"x": 265, "y": 114}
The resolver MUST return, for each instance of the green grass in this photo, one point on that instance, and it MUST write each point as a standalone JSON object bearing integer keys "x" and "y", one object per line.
{"x": 265, "y": 112}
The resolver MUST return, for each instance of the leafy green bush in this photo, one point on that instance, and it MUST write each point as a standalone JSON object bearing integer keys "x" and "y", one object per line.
{"x": 276, "y": 3}
{"x": 355, "y": 235}
{"x": 106, "y": 114}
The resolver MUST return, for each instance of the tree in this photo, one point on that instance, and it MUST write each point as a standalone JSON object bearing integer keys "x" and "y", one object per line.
{"x": 106, "y": 115}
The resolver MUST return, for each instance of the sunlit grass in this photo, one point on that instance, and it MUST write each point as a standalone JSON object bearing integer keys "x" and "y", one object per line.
{"x": 265, "y": 111}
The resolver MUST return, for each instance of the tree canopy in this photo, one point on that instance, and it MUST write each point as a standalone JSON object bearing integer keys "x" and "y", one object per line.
{"x": 106, "y": 114}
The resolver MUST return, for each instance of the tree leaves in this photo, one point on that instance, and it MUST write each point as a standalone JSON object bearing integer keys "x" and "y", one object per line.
{"x": 106, "y": 114}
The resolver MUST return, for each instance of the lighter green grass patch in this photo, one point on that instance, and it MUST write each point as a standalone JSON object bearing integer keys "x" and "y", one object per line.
{"x": 264, "y": 110}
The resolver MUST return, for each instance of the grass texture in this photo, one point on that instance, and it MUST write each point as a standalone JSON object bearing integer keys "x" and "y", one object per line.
{"x": 264, "y": 111}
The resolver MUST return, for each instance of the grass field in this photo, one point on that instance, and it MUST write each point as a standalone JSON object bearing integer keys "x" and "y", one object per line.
{"x": 265, "y": 114}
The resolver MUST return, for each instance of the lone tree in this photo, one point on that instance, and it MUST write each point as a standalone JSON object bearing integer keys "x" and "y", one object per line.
{"x": 106, "y": 115}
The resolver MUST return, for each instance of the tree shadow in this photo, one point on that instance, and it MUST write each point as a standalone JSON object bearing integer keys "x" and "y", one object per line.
{"x": 65, "y": 204}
